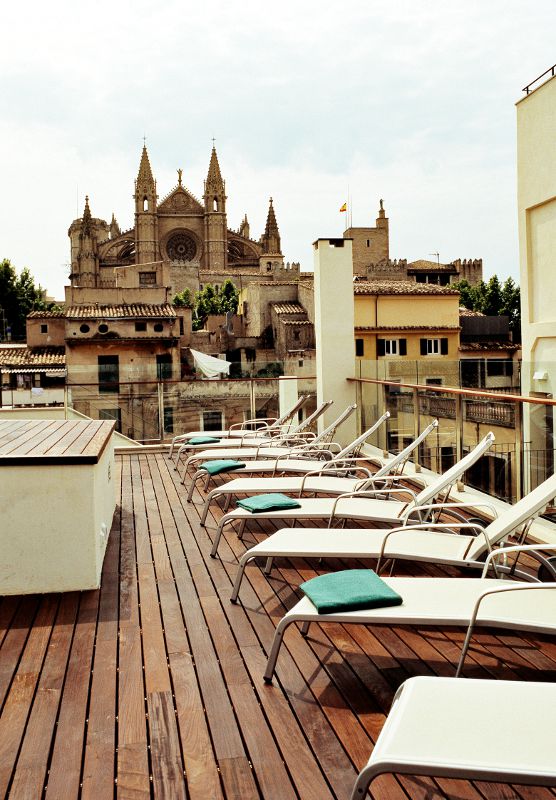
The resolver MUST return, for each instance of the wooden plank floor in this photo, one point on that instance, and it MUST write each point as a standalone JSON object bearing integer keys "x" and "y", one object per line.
{"x": 152, "y": 686}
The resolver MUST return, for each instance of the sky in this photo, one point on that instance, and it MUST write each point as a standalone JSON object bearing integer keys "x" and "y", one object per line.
{"x": 412, "y": 101}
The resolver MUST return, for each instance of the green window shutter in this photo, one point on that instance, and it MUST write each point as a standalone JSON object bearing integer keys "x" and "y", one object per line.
{"x": 380, "y": 347}
{"x": 423, "y": 347}
{"x": 444, "y": 347}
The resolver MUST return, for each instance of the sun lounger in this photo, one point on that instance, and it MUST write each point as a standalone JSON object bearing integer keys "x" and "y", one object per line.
{"x": 275, "y": 448}
{"x": 466, "y": 602}
{"x": 497, "y": 731}
{"x": 433, "y": 543}
{"x": 299, "y": 461}
{"x": 325, "y": 479}
{"x": 300, "y": 434}
{"x": 365, "y": 506}
{"x": 267, "y": 426}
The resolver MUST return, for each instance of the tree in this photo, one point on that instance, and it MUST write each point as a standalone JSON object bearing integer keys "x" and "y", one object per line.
{"x": 214, "y": 301}
{"x": 183, "y": 299}
{"x": 494, "y": 299}
{"x": 18, "y": 297}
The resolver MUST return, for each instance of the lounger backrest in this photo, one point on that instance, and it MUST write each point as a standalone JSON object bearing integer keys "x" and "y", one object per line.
{"x": 313, "y": 417}
{"x": 289, "y": 415}
{"x": 399, "y": 460}
{"x": 329, "y": 432}
{"x": 516, "y": 515}
{"x": 353, "y": 448}
{"x": 448, "y": 478}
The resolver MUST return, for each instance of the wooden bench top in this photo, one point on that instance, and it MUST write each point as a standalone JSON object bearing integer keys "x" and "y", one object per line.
{"x": 26, "y": 442}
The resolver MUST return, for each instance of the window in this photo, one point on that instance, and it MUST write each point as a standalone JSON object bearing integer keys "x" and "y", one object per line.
{"x": 212, "y": 421}
{"x": 433, "y": 381}
{"x": 147, "y": 279}
{"x": 391, "y": 347}
{"x": 182, "y": 329}
{"x": 360, "y": 347}
{"x": 103, "y": 327}
{"x": 108, "y": 374}
{"x": 112, "y": 413}
{"x": 140, "y": 327}
{"x": 158, "y": 327}
{"x": 44, "y": 328}
{"x": 168, "y": 419}
{"x": 164, "y": 367}
{"x": 499, "y": 367}
{"x": 368, "y": 242}
{"x": 84, "y": 328}
{"x": 434, "y": 347}
{"x": 296, "y": 335}
{"x": 145, "y": 204}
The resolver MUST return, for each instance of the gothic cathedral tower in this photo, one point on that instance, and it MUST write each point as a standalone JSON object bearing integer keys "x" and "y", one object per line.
{"x": 215, "y": 217}
{"x": 146, "y": 221}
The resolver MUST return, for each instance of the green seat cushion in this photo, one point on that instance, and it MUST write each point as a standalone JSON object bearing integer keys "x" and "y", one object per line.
{"x": 203, "y": 440}
{"x": 349, "y": 590}
{"x": 221, "y": 465}
{"x": 268, "y": 502}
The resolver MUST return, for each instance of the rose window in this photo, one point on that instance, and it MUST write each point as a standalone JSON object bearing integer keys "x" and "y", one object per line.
{"x": 181, "y": 247}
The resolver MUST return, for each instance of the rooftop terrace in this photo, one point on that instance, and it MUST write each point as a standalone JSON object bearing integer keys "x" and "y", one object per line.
{"x": 152, "y": 686}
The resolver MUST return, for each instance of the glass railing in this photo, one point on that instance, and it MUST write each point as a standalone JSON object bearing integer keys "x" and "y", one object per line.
{"x": 154, "y": 410}
{"x": 416, "y": 393}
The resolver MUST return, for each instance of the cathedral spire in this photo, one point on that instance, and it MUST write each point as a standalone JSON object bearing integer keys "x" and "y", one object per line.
{"x": 244, "y": 227}
{"x": 215, "y": 189}
{"x": 86, "y": 219}
{"x": 271, "y": 235}
{"x": 114, "y": 227}
{"x": 145, "y": 175}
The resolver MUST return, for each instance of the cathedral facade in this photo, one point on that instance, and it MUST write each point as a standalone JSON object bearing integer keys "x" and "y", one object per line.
{"x": 179, "y": 242}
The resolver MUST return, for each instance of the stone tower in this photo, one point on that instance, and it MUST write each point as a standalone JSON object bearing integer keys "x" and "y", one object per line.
{"x": 215, "y": 216}
{"x": 85, "y": 234}
{"x": 146, "y": 219}
{"x": 271, "y": 259}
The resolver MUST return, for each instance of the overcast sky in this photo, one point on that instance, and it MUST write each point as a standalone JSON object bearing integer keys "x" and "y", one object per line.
{"x": 411, "y": 101}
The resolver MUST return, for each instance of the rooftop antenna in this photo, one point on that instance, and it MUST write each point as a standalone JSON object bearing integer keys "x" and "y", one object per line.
{"x": 437, "y": 257}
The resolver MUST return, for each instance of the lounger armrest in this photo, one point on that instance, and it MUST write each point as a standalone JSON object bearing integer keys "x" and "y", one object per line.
{"x": 515, "y": 548}
{"x": 370, "y": 494}
{"x": 262, "y": 422}
{"x": 447, "y": 506}
{"x": 436, "y": 527}
{"x": 326, "y": 469}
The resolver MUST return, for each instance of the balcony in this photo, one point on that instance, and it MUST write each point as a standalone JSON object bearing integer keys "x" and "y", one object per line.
{"x": 152, "y": 686}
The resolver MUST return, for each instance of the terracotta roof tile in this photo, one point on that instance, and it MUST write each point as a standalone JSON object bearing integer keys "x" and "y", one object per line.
{"x": 46, "y": 315}
{"x": 295, "y": 322}
{"x": 288, "y": 308}
{"x": 32, "y": 357}
{"x": 407, "y": 328}
{"x": 429, "y": 266}
{"x": 400, "y": 287}
{"x": 134, "y": 310}
{"x": 477, "y": 347}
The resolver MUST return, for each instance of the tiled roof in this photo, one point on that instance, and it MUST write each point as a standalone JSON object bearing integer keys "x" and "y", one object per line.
{"x": 288, "y": 308}
{"x": 466, "y": 312}
{"x": 296, "y": 322}
{"x": 36, "y": 357}
{"x": 475, "y": 347}
{"x": 407, "y": 328}
{"x": 134, "y": 310}
{"x": 400, "y": 287}
{"x": 46, "y": 315}
{"x": 430, "y": 266}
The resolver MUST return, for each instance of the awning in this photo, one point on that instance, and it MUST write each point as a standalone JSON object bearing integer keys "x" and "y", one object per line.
{"x": 210, "y": 366}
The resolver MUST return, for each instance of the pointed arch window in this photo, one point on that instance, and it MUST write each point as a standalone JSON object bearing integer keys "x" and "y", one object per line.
{"x": 215, "y": 204}
{"x": 145, "y": 203}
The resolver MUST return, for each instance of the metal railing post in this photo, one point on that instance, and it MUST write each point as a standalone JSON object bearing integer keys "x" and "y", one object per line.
{"x": 459, "y": 433}
{"x": 253, "y": 410}
{"x": 160, "y": 389}
{"x": 416, "y": 427}
{"x": 519, "y": 450}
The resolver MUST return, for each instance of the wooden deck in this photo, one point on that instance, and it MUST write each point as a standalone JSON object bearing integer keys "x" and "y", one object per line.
{"x": 152, "y": 686}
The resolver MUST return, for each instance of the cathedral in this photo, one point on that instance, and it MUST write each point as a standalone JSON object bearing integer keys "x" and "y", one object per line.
{"x": 179, "y": 242}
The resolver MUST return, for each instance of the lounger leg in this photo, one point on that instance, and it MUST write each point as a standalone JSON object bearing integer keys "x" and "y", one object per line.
{"x": 464, "y": 649}
{"x": 363, "y": 782}
{"x": 267, "y": 569}
{"x": 208, "y": 501}
{"x": 305, "y": 628}
{"x": 217, "y": 537}
{"x": 242, "y": 525}
{"x": 243, "y": 561}
{"x": 227, "y": 503}
{"x": 193, "y": 483}
{"x": 274, "y": 650}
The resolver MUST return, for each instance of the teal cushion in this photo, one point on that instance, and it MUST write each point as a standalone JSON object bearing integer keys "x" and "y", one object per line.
{"x": 349, "y": 590}
{"x": 203, "y": 440}
{"x": 221, "y": 465}
{"x": 268, "y": 502}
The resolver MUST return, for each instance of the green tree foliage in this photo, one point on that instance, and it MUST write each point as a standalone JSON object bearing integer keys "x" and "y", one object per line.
{"x": 18, "y": 297}
{"x": 494, "y": 299}
{"x": 214, "y": 301}
{"x": 183, "y": 299}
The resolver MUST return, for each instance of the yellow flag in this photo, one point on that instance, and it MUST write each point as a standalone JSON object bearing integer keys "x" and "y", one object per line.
{"x": 344, "y": 207}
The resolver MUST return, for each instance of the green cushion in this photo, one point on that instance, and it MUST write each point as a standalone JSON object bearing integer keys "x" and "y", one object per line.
{"x": 221, "y": 465}
{"x": 203, "y": 440}
{"x": 349, "y": 590}
{"x": 268, "y": 502}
